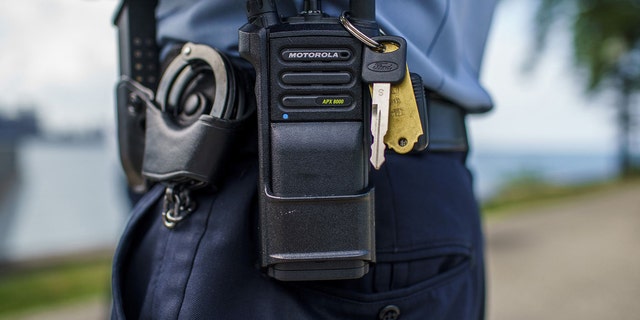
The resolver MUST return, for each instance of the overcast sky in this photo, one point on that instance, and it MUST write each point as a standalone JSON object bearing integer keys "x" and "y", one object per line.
{"x": 61, "y": 56}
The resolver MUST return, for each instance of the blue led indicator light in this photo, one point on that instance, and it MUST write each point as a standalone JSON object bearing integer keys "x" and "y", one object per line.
{"x": 285, "y": 116}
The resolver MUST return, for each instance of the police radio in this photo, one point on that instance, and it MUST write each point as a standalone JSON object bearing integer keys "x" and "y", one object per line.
{"x": 316, "y": 202}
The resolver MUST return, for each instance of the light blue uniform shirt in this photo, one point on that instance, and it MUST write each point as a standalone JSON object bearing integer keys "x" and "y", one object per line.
{"x": 445, "y": 38}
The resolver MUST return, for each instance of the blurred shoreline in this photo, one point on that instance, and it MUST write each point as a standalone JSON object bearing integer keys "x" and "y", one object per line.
{"x": 49, "y": 261}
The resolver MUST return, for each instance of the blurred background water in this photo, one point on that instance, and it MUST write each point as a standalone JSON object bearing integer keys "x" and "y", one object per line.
{"x": 65, "y": 196}
{"x": 493, "y": 170}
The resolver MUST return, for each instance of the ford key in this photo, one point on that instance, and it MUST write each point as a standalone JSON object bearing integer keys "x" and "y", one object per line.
{"x": 381, "y": 69}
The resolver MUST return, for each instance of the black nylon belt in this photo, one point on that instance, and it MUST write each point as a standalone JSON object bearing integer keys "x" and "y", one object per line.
{"x": 447, "y": 129}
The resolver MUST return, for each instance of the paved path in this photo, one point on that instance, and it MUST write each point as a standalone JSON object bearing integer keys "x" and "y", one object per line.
{"x": 577, "y": 259}
{"x": 572, "y": 260}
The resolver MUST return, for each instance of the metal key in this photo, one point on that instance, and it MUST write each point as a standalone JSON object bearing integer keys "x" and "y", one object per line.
{"x": 381, "y": 69}
{"x": 381, "y": 94}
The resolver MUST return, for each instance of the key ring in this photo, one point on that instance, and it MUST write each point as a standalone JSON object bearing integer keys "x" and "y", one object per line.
{"x": 375, "y": 45}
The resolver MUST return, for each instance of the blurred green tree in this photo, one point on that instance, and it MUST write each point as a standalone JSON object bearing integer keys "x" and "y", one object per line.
{"x": 606, "y": 51}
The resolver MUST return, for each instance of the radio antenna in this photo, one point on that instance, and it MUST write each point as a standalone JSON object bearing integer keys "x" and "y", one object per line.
{"x": 362, "y": 9}
{"x": 262, "y": 13}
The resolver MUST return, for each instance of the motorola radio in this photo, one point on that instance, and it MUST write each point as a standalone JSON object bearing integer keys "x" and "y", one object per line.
{"x": 316, "y": 201}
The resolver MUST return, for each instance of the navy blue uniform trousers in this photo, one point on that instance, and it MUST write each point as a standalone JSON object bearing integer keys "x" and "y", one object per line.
{"x": 429, "y": 254}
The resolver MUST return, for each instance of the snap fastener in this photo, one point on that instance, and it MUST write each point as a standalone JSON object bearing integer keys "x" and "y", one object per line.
{"x": 389, "y": 312}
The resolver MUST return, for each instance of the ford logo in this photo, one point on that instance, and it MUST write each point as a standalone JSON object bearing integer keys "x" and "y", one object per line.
{"x": 382, "y": 66}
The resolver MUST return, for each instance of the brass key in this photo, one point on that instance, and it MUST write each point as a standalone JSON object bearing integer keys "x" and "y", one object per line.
{"x": 405, "y": 126}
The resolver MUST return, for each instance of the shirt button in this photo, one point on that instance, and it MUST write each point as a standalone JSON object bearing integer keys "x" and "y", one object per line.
{"x": 389, "y": 312}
